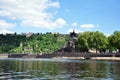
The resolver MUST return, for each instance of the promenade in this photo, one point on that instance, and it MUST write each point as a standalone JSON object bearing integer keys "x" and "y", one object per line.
{"x": 102, "y": 56}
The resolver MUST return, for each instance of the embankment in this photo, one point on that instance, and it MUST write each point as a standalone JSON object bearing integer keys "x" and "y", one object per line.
{"x": 108, "y": 56}
{"x": 93, "y": 58}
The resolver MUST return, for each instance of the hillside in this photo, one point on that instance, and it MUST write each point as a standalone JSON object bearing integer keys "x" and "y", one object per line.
{"x": 32, "y": 43}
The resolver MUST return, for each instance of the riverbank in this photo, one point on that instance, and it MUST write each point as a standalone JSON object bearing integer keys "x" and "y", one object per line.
{"x": 93, "y": 58}
{"x": 65, "y": 56}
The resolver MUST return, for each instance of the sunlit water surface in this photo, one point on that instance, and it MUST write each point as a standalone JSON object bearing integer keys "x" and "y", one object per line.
{"x": 58, "y": 69}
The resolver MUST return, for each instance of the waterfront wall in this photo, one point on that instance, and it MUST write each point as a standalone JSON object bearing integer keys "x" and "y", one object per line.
{"x": 22, "y": 56}
{"x": 108, "y": 56}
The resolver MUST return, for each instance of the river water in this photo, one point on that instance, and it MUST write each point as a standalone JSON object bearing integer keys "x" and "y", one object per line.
{"x": 58, "y": 69}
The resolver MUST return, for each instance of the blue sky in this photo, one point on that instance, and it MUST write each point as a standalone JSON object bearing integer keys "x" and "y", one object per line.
{"x": 59, "y": 16}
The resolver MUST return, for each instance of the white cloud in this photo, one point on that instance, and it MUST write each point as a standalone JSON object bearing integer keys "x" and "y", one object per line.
{"x": 87, "y": 26}
{"x": 71, "y": 30}
{"x": 32, "y": 13}
{"x": 59, "y": 23}
{"x": 74, "y": 24}
{"x": 6, "y": 31}
{"x": 6, "y": 25}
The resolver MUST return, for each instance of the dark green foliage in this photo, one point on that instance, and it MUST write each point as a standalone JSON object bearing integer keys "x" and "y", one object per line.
{"x": 97, "y": 40}
{"x": 36, "y": 43}
{"x": 10, "y": 41}
{"x": 114, "y": 40}
{"x": 48, "y": 43}
{"x": 92, "y": 40}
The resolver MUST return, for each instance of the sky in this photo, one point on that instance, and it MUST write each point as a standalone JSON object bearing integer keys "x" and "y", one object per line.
{"x": 63, "y": 16}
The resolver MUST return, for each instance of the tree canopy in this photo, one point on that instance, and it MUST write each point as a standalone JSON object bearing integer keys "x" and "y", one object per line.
{"x": 114, "y": 40}
{"x": 36, "y": 43}
{"x": 92, "y": 40}
{"x": 48, "y": 43}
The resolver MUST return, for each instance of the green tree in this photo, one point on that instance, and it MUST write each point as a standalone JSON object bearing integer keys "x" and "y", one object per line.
{"x": 114, "y": 41}
{"x": 82, "y": 42}
{"x": 100, "y": 41}
{"x": 92, "y": 40}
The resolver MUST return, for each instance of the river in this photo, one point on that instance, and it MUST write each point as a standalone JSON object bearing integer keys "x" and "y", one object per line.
{"x": 58, "y": 69}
